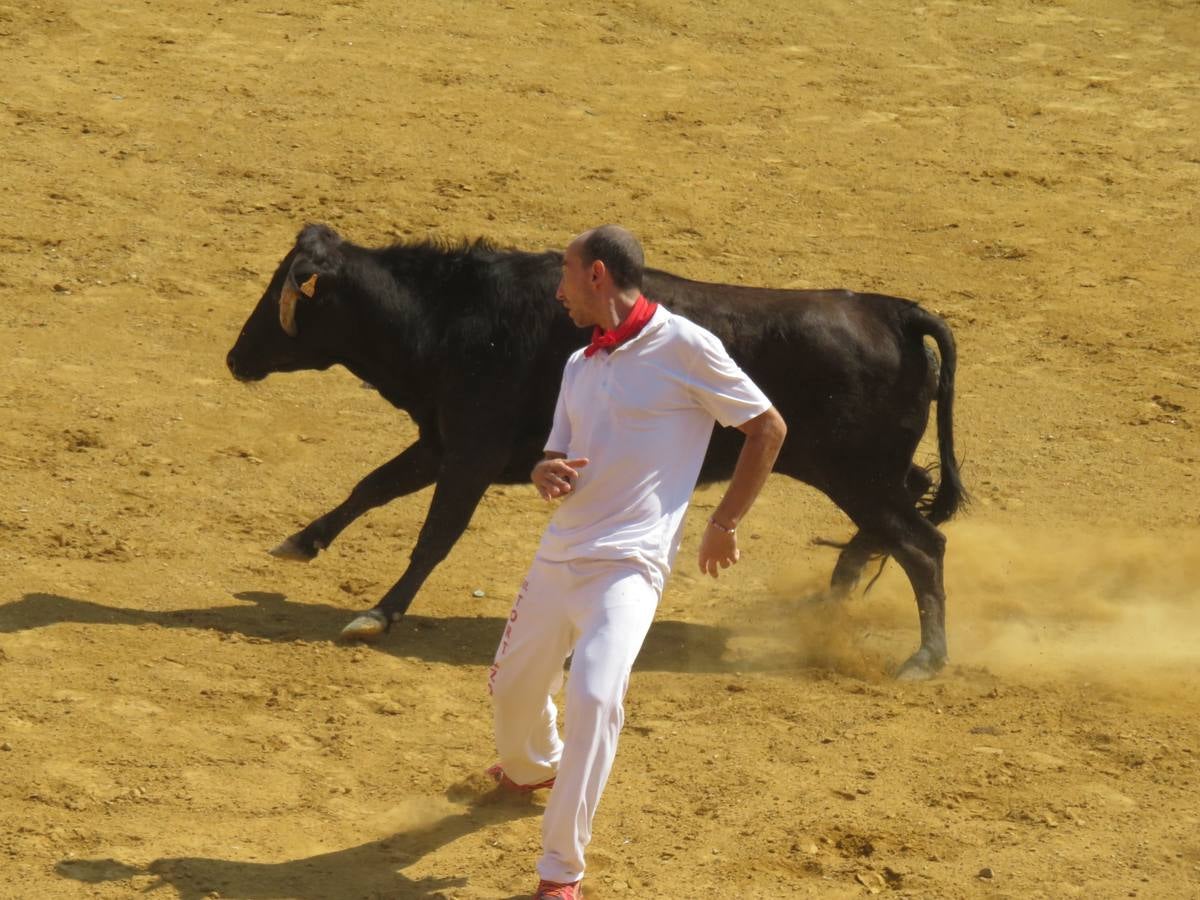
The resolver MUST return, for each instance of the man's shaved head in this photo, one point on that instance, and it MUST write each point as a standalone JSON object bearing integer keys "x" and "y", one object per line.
{"x": 620, "y": 252}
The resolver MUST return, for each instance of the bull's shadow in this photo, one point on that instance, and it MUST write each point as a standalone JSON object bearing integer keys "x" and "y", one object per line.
{"x": 371, "y": 870}
{"x": 671, "y": 646}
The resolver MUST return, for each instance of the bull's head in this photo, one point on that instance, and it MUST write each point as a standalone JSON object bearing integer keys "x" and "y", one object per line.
{"x": 284, "y": 332}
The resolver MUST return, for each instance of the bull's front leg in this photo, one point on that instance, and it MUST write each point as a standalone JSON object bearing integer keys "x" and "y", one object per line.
{"x": 461, "y": 484}
{"x": 414, "y": 469}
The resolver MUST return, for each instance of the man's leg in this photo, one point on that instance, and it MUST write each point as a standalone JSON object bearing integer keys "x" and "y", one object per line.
{"x": 527, "y": 671}
{"x": 613, "y": 605}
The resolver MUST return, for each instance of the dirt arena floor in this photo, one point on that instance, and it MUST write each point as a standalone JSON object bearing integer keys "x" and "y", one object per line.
{"x": 175, "y": 718}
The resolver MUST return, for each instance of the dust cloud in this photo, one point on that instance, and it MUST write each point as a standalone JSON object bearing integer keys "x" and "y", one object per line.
{"x": 1090, "y": 604}
{"x": 1096, "y": 604}
{"x": 412, "y": 814}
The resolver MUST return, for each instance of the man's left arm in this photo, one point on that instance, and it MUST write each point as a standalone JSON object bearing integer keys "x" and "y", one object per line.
{"x": 764, "y": 436}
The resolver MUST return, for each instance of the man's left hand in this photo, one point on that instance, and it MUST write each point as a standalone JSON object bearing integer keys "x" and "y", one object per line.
{"x": 718, "y": 550}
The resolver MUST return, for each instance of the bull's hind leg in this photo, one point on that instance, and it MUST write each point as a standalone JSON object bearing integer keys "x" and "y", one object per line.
{"x": 862, "y": 547}
{"x": 920, "y": 549}
{"x": 855, "y": 555}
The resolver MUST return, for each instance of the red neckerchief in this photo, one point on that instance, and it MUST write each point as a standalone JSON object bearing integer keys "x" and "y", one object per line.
{"x": 642, "y": 310}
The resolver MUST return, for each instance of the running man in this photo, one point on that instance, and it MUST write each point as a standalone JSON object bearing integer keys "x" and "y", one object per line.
{"x": 634, "y": 418}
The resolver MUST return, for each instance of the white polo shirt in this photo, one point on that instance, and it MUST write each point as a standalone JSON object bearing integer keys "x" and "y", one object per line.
{"x": 642, "y": 415}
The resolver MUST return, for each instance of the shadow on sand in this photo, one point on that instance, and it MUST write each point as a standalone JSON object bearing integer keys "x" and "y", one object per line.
{"x": 371, "y": 870}
{"x": 671, "y": 646}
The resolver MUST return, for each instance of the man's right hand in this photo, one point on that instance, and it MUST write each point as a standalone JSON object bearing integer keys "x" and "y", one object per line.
{"x": 555, "y": 477}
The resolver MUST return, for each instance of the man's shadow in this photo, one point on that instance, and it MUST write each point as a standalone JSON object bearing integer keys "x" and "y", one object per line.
{"x": 671, "y": 645}
{"x": 369, "y": 870}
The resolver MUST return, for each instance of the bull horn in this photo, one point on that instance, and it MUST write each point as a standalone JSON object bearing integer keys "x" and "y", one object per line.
{"x": 309, "y": 287}
{"x": 288, "y": 295}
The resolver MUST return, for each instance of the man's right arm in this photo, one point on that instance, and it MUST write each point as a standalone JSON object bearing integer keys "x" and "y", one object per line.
{"x": 555, "y": 475}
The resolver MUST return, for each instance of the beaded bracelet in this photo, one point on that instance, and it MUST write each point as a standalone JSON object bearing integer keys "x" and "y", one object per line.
{"x": 717, "y": 525}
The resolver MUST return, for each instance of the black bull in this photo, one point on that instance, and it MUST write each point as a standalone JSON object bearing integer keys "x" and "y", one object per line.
{"x": 470, "y": 342}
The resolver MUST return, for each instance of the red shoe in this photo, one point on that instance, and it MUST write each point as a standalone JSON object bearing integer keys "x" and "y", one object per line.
{"x": 508, "y": 784}
{"x": 554, "y": 890}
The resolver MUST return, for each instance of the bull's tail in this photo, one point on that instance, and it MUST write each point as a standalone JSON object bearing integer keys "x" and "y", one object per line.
{"x": 950, "y": 494}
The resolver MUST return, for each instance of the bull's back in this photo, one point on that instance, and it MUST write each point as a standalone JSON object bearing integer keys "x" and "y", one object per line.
{"x": 802, "y": 343}
{"x": 840, "y": 366}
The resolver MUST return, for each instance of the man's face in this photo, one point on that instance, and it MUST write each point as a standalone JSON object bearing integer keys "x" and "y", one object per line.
{"x": 576, "y": 290}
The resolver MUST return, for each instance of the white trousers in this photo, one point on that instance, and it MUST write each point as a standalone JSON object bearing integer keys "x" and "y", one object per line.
{"x": 602, "y": 610}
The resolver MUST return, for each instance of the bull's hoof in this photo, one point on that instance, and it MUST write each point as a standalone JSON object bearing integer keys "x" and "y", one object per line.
{"x": 290, "y": 549}
{"x": 921, "y": 666}
{"x": 370, "y": 626}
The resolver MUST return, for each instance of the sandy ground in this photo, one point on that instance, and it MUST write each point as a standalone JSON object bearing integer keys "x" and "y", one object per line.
{"x": 174, "y": 717}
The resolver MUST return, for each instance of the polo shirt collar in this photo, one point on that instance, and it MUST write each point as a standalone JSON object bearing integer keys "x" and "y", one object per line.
{"x": 660, "y": 317}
